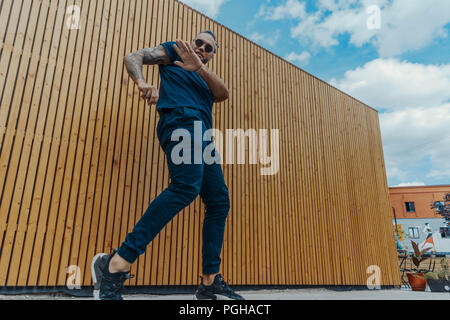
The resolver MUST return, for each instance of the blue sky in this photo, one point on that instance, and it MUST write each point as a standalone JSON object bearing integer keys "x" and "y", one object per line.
{"x": 393, "y": 55}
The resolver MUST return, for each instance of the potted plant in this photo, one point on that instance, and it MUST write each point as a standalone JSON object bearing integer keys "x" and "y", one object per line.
{"x": 417, "y": 279}
{"x": 439, "y": 281}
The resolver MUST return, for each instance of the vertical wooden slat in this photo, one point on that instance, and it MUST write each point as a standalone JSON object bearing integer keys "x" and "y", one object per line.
{"x": 175, "y": 246}
{"x": 102, "y": 134}
{"x": 313, "y": 209}
{"x": 152, "y": 254}
{"x": 149, "y": 119}
{"x": 80, "y": 161}
{"x": 72, "y": 198}
{"x": 288, "y": 196}
{"x": 321, "y": 197}
{"x": 127, "y": 150}
{"x": 196, "y": 25}
{"x": 151, "y": 259}
{"x": 40, "y": 150}
{"x": 141, "y": 145}
{"x": 228, "y": 125}
{"x": 20, "y": 157}
{"x": 267, "y": 224}
{"x": 109, "y": 204}
{"x": 345, "y": 187}
{"x": 201, "y": 215}
{"x": 252, "y": 209}
{"x": 296, "y": 178}
{"x": 178, "y": 245}
{"x": 278, "y": 183}
{"x": 190, "y": 210}
{"x": 329, "y": 186}
{"x": 185, "y": 213}
{"x": 134, "y": 137}
{"x": 273, "y": 88}
{"x": 5, "y": 10}
{"x": 269, "y": 231}
{"x": 237, "y": 168}
{"x": 65, "y": 119}
{"x": 298, "y": 188}
{"x": 353, "y": 187}
{"x": 165, "y": 235}
{"x": 300, "y": 93}
{"x": 81, "y": 241}
{"x": 248, "y": 180}
{"x": 162, "y": 170}
{"x": 290, "y": 187}
{"x": 332, "y": 191}
{"x": 10, "y": 151}
{"x": 32, "y": 140}
{"x": 52, "y": 138}
{"x": 263, "y": 248}
{"x": 223, "y": 124}
{"x": 12, "y": 44}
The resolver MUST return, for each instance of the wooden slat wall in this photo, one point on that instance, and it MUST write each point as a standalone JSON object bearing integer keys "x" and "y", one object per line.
{"x": 80, "y": 161}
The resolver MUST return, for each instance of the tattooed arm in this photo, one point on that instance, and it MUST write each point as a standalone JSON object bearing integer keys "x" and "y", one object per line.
{"x": 134, "y": 62}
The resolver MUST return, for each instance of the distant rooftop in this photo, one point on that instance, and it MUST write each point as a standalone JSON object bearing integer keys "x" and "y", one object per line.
{"x": 435, "y": 186}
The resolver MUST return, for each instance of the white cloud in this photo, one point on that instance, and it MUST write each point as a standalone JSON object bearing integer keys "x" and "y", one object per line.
{"x": 302, "y": 58}
{"x": 269, "y": 39}
{"x": 392, "y": 84}
{"x": 410, "y": 184}
{"x": 415, "y": 124}
{"x": 414, "y": 135}
{"x": 412, "y": 25}
{"x": 290, "y": 10}
{"x": 404, "y": 24}
{"x": 210, "y": 8}
{"x": 395, "y": 173}
{"x": 323, "y": 28}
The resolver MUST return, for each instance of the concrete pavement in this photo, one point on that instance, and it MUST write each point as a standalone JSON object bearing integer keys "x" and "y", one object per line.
{"x": 287, "y": 294}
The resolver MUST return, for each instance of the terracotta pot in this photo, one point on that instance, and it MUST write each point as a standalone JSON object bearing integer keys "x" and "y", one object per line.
{"x": 417, "y": 281}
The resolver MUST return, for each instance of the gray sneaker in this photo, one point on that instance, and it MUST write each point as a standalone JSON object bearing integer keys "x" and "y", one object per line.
{"x": 107, "y": 286}
{"x": 219, "y": 290}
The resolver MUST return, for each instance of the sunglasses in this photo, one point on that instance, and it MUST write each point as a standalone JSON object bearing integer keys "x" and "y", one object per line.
{"x": 208, "y": 47}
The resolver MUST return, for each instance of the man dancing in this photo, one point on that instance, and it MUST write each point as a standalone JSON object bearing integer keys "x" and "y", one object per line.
{"x": 186, "y": 96}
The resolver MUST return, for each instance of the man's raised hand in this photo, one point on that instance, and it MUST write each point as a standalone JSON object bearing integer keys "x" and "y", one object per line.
{"x": 191, "y": 61}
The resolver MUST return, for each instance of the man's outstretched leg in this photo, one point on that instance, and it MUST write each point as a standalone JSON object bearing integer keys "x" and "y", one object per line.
{"x": 214, "y": 194}
{"x": 109, "y": 272}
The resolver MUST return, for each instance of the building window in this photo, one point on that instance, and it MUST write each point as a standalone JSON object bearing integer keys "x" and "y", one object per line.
{"x": 445, "y": 232}
{"x": 413, "y": 232}
{"x": 410, "y": 207}
{"x": 439, "y": 206}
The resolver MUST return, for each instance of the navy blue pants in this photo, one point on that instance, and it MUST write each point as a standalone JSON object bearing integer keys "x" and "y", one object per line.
{"x": 187, "y": 181}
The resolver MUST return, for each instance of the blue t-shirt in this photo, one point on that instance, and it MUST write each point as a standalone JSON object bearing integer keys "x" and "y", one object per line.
{"x": 181, "y": 88}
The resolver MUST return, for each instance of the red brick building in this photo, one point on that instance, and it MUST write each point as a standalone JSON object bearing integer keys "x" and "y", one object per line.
{"x": 414, "y": 202}
{"x": 414, "y": 219}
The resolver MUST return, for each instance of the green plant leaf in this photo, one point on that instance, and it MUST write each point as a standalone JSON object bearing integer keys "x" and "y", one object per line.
{"x": 416, "y": 261}
{"x": 424, "y": 250}
{"x": 423, "y": 259}
{"x": 431, "y": 275}
{"x": 416, "y": 249}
